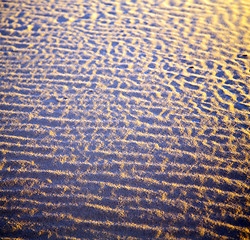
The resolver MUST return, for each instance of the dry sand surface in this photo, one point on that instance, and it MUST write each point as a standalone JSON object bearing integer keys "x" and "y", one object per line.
{"x": 125, "y": 119}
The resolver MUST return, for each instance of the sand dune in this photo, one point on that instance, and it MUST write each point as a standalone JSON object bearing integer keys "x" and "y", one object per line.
{"x": 124, "y": 119}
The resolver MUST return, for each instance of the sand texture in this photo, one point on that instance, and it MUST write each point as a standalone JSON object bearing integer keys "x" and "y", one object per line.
{"x": 124, "y": 119}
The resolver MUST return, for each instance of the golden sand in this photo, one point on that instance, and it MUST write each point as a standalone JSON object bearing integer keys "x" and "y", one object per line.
{"x": 124, "y": 119}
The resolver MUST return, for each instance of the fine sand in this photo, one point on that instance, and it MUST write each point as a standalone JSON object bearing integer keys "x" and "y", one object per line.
{"x": 124, "y": 119}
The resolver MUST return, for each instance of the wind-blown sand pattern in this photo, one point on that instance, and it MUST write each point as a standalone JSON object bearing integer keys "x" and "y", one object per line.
{"x": 124, "y": 119}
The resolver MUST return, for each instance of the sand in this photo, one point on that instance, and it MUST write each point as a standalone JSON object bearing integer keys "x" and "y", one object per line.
{"x": 124, "y": 119}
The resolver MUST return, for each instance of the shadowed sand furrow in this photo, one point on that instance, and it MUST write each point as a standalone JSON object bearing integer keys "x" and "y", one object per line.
{"x": 108, "y": 183}
{"x": 185, "y": 122}
{"x": 176, "y": 221}
{"x": 106, "y": 212}
{"x": 124, "y": 119}
{"x": 183, "y": 154}
{"x": 143, "y": 143}
{"x": 173, "y": 207}
{"x": 171, "y": 214}
{"x": 171, "y": 204}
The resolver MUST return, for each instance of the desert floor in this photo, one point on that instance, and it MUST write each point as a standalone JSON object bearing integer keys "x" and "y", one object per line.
{"x": 124, "y": 119}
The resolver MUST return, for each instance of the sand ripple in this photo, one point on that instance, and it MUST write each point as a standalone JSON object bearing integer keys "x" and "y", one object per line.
{"x": 124, "y": 119}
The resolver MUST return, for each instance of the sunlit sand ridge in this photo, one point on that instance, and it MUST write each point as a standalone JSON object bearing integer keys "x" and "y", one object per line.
{"x": 124, "y": 119}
